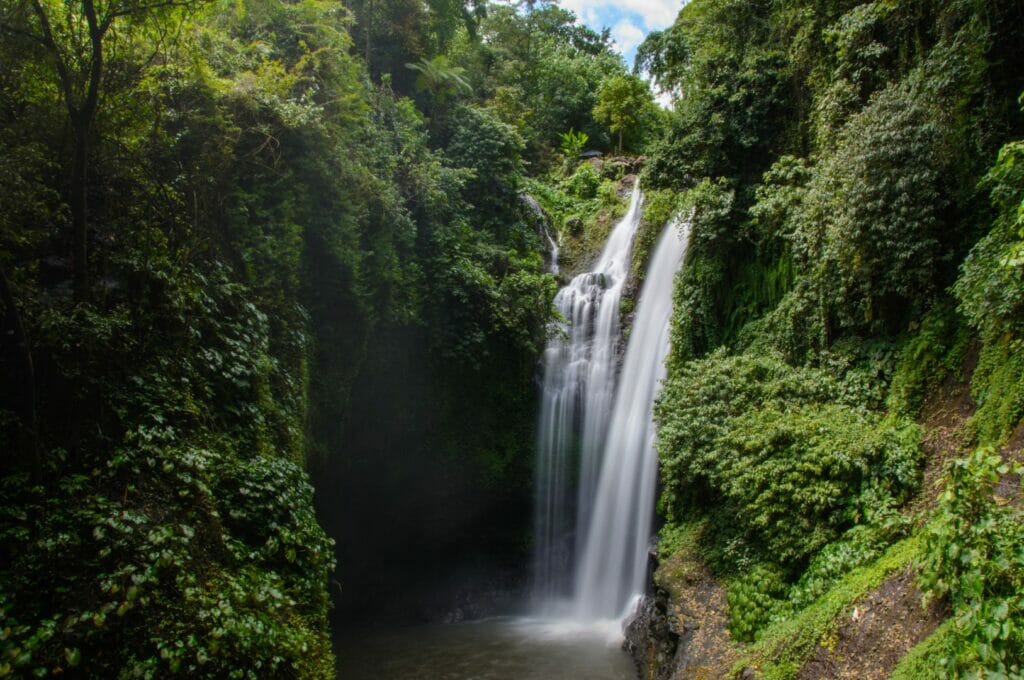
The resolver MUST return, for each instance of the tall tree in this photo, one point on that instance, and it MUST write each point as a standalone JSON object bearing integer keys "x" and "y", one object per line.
{"x": 77, "y": 37}
{"x": 621, "y": 102}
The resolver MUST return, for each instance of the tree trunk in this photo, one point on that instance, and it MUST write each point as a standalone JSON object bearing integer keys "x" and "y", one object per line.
{"x": 83, "y": 130}
{"x": 80, "y": 115}
{"x": 366, "y": 32}
{"x": 28, "y": 413}
{"x": 619, "y": 150}
{"x": 79, "y": 210}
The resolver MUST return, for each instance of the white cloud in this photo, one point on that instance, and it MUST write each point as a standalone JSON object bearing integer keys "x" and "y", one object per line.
{"x": 575, "y": 6}
{"x": 651, "y": 15}
{"x": 627, "y": 35}
{"x": 587, "y": 12}
{"x": 655, "y": 14}
{"x": 629, "y": 20}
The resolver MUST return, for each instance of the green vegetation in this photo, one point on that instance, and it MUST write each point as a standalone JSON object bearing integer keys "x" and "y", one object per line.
{"x": 785, "y": 646}
{"x": 659, "y": 208}
{"x": 623, "y": 102}
{"x": 926, "y": 656}
{"x": 583, "y": 202}
{"x": 573, "y": 144}
{"x": 936, "y": 351}
{"x": 854, "y": 248}
{"x": 540, "y": 72}
{"x": 973, "y": 557}
{"x": 244, "y": 245}
{"x": 727, "y": 423}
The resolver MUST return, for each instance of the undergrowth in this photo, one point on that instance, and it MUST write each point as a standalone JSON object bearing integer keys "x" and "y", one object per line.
{"x": 784, "y": 647}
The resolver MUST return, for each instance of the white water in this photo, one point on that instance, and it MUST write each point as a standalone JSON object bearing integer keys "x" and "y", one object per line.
{"x": 554, "y": 249}
{"x": 607, "y": 435}
{"x": 554, "y": 244}
{"x": 611, "y": 570}
{"x": 579, "y": 375}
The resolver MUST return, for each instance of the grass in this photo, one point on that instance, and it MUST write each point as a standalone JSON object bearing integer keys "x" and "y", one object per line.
{"x": 785, "y": 647}
{"x": 926, "y": 656}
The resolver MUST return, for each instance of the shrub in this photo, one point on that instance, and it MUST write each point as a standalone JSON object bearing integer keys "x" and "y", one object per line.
{"x": 973, "y": 557}
{"x": 584, "y": 182}
{"x": 990, "y": 291}
{"x": 572, "y": 144}
{"x": 756, "y": 598}
{"x": 859, "y": 546}
{"x": 696, "y": 320}
{"x": 868, "y": 227}
{"x": 795, "y": 473}
{"x": 998, "y": 390}
{"x": 925, "y": 360}
{"x": 204, "y": 564}
{"x": 771, "y": 451}
{"x": 991, "y": 284}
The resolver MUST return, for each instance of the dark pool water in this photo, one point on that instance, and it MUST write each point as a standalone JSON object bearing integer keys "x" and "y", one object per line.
{"x": 494, "y": 649}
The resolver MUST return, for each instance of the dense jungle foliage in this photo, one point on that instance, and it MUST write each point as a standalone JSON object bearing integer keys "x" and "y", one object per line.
{"x": 248, "y": 247}
{"x": 856, "y": 178}
{"x": 245, "y": 241}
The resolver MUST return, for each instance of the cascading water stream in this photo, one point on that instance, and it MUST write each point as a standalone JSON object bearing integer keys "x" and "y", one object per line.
{"x": 579, "y": 375}
{"x": 554, "y": 248}
{"x": 613, "y": 447}
{"x": 611, "y": 569}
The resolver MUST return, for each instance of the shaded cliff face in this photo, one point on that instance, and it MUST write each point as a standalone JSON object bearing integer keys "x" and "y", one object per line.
{"x": 425, "y": 530}
{"x": 427, "y": 482}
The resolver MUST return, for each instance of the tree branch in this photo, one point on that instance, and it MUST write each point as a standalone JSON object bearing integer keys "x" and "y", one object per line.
{"x": 62, "y": 68}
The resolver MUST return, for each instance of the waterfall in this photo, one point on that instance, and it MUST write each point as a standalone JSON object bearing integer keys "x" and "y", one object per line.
{"x": 597, "y": 466}
{"x": 542, "y": 221}
{"x": 579, "y": 375}
{"x": 611, "y": 568}
{"x": 554, "y": 249}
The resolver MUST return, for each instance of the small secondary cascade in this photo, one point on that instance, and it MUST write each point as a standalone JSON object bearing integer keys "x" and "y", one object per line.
{"x": 579, "y": 382}
{"x": 611, "y": 569}
{"x": 554, "y": 248}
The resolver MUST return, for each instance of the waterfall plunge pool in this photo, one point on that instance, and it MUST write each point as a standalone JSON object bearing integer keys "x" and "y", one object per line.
{"x": 490, "y": 649}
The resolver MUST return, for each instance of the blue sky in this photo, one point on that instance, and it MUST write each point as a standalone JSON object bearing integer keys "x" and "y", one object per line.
{"x": 629, "y": 20}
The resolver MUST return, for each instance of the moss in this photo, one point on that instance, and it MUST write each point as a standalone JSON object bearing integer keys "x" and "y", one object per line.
{"x": 926, "y": 656}
{"x": 784, "y": 647}
{"x": 927, "y": 358}
{"x": 998, "y": 389}
{"x": 659, "y": 207}
{"x": 680, "y": 539}
{"x": 583, "y": 218}
{"x": 679, "y": 555}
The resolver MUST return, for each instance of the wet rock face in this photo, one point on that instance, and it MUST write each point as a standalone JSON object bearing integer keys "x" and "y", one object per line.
{"x": 540, "y": 217}
{"x": 681, "y": 632}
{"x": 651, "y": 638}
{"x": 477, "y": 597}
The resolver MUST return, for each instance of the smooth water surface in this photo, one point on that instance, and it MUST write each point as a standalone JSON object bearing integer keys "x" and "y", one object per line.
{"x": 494, "y": 649}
